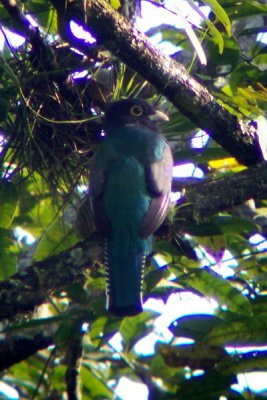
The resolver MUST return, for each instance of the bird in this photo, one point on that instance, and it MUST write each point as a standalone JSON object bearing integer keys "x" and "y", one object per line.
{"x": 130, "y": 184}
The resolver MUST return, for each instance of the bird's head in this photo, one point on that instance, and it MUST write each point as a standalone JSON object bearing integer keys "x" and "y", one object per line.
{"x": 133, "y": 112}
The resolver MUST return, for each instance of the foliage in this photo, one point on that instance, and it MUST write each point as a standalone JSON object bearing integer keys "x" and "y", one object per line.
{"x": 53, "y": 92}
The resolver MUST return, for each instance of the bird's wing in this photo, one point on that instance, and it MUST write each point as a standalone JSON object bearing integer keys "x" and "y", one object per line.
{"x": 158, "y": 183}
{"x": 85, "y": 223}
{"x": 97, "y": 188}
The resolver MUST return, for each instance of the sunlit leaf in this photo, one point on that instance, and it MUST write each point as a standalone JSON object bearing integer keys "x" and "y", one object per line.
{"x": 102, "y": 329}
{"x": 116, "y": 4}
{"x": 134, "y": 328}
{"x": 243, "y": 331}
{"x": 8, "y": 254}
{"x": 170, "y": 374}
{"x": 220, "y": 14}
{"x": 216, "y": 34}
{"x": 8, "y": 203}
{"x": 56, "y": 238}
{"x": 213, "y": 285}
{"x": 45, "y": 16}
{"x": 226, "y": 163}
{"x": 94, "y": 385}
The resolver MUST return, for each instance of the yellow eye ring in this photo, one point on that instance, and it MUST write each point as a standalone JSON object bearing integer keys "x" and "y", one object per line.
{"x": 137, "y": 111}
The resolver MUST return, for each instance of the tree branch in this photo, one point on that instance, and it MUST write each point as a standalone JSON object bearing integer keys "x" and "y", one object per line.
{"x": 16, "y": 348}
{"x": 112, "y": 30}
{"x": 208, "y": 198}
{"x": 73, "y": 357}
{"x": 30, "y": 287}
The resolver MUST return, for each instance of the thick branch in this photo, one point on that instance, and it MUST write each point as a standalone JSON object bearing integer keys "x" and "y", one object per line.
{"x": 30, "y": 287}
{"x": 169, "y": 77}
{"x": 208, "y": 198}
{"x": 16, "y": 348}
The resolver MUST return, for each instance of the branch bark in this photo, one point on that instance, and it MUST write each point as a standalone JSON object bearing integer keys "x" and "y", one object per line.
{"x": 112, "y": 30}
{"x": 30, "y": 287}
{"x": 16, "y": 348}
{"x": 210, "y": 197}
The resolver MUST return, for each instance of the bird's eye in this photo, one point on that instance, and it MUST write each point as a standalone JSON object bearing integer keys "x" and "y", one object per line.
{"x": 137, "y": 111}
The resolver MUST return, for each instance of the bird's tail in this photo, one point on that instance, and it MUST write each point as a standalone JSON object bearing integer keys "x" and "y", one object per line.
{"x": 125, "y": 263}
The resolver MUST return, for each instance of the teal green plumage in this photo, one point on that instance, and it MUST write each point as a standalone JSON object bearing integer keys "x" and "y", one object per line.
{"x": 130, "y": 185}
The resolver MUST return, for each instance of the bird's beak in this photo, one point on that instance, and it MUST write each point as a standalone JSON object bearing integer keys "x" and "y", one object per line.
{"x": 158, "y": 116}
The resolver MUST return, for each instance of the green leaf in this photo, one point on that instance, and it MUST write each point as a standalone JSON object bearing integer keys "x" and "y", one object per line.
{"x": 194, "y": 326}
{"x": 243, "y": 331}
{"x": 245, "y": 75}
{"x": 229, "y": 57}
{"x": 69, "y": 330}
{"x": 163, "y": 371}
{"x": 178, "y": 125}
{"x": 25, "y": 374}
{"x": 8, "y": 203}
{"x": 94, "y": 386}
{"x": 42, "y": 215}
{"x": 77, "y": 293}
{"x": 8, "y": 254}
{"x": 259, "y": 304}
{"x": 56, "y": 238}
{"x": 58, "y": 375}
{"x": 213, "y": 285}
{"x": 220, "y": 14}
{"x": 209, "y": 386}
{"x": 103, "y": 328}
{"x": 134, "y": 328}
{"x": 243, "y": 8}
{"x": 116, "y": 4}
{"x": 153, "y": 277}
{"x": 224, "y": 224}
{"x": 231, "y": 225}
{"x": 248, "y": 362}
{"x": 46, "y": 16}
{"x": 216, "y": 34}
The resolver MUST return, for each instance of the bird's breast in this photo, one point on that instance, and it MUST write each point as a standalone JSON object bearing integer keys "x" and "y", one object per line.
{"x": 142, "y": 144}
{"x": 126, "y": 197}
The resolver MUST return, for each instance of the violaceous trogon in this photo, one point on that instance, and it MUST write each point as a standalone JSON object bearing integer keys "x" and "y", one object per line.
{"x": 130, "y": 186}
